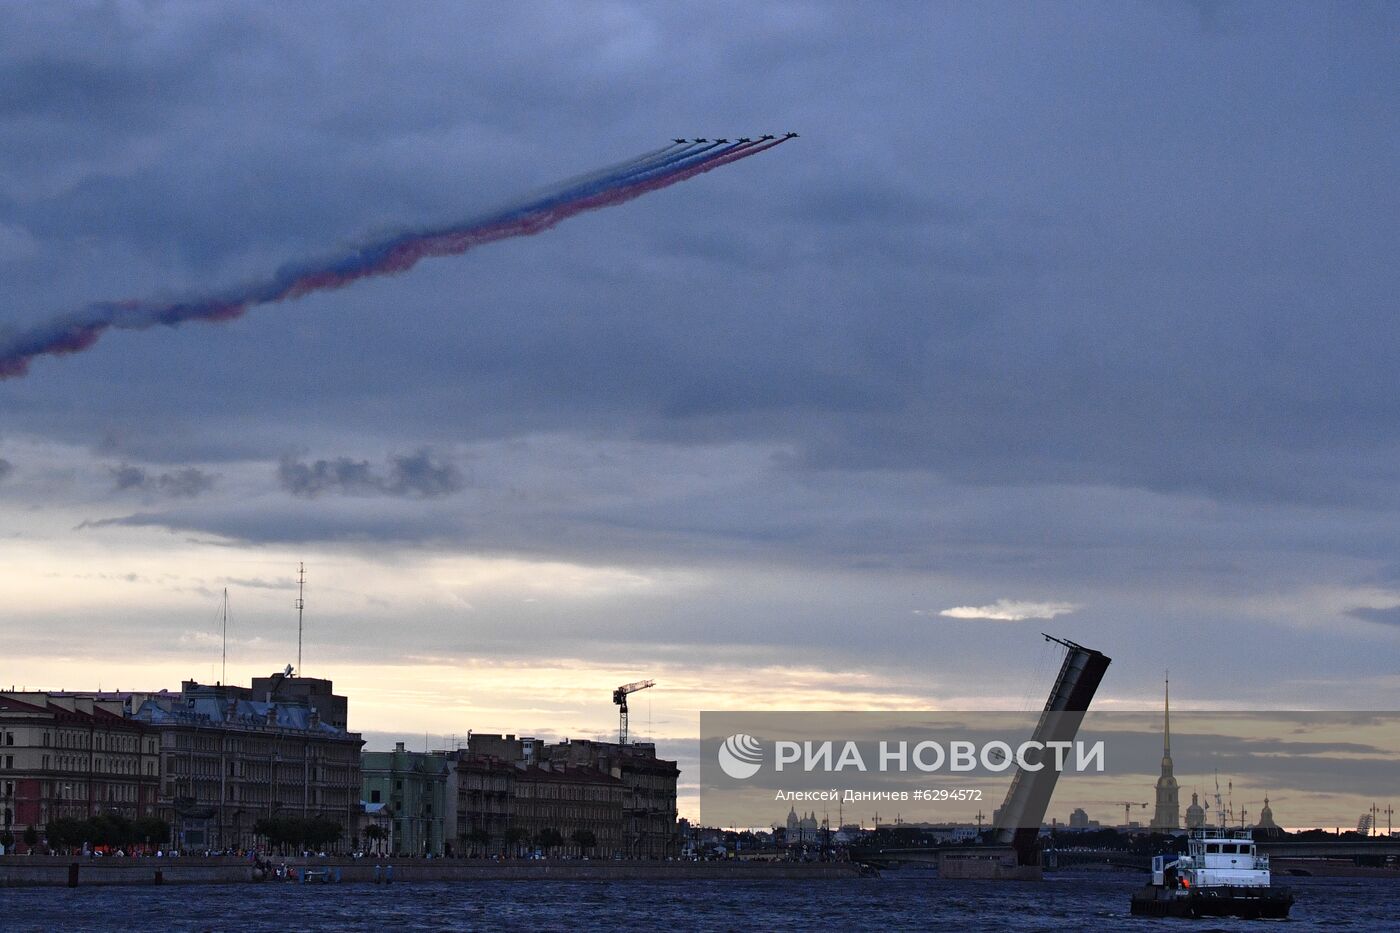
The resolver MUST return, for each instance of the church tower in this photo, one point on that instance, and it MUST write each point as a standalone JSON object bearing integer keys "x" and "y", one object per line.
{"x": 1167, "y": 817}
{"x": 1266, "y": 822}
{"x": 1196, "y": 814}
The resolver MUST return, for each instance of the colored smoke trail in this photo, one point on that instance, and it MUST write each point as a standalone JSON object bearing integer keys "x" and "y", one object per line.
{"x": 617, "y": 184}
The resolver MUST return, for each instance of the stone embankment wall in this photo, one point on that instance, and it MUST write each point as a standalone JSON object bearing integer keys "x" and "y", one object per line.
{"x": 55, "y": 870}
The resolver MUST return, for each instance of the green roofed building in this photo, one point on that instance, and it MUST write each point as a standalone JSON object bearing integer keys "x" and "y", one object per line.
{"x": 412, "y": 787}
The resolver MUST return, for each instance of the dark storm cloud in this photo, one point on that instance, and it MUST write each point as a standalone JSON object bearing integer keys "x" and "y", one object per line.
{"x": 184, "y": 483}
{"x": 416, "y": 475}
{"x": 129, "y": 477}
{"x": 420, "y": 474}
{"x": 1046, "y": 299}
{"x": 340, "y": 475}
{"x": 1387, "y": 616}
{"x": 372, "y": 529}
{"x": 258, "y": 583}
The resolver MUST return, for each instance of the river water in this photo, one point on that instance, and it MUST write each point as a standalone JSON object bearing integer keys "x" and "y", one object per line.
{"x": 898, "y": 901}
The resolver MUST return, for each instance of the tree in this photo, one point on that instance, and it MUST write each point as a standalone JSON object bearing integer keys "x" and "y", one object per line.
{"x": 515, "y": 837}
{"x": 107, "y": 829}
{"x": 320, "y": 832}
{"x": 585, "y": 839}
{"x": 479, "y": 838}
{"x": 151, "y": 830}
{"x": 376, "y": 834}
{"x": 283, "y": 832}
{"x": 549, "y": 838}
{"x": 65, "y": 832}
{"x": 31, "y": 837}
{"x": 266, "y": 827}
{"x": 279, "y": 831}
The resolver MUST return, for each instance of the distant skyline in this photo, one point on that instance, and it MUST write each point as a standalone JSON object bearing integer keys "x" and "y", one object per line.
{"x": 1075, "y": 318}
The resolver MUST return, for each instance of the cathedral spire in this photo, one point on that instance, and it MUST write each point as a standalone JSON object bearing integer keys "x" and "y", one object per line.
{"x": 1167, "y": 720}
{"x": 1168, "y": 814}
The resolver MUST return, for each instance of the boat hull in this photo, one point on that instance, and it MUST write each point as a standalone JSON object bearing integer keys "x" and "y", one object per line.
{"x": 1224, "y": 901}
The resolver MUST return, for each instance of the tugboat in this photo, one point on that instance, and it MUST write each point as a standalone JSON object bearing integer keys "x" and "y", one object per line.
{"x": 1221, "y": 875}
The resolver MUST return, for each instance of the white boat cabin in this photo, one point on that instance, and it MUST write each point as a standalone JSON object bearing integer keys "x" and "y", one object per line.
{"x": 1213, "y": 859}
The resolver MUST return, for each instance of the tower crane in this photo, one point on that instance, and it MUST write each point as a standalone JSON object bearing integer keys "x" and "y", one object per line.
{"x": 620, "y": 698}
{"x": 1126, "y": 805}
{"x": 1128, "y": 812}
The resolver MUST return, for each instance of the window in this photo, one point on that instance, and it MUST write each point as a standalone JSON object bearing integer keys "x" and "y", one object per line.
{"x": 1213, "y": 848}
{"x": 374, "y": 796}
{"x": 9, "y": 738}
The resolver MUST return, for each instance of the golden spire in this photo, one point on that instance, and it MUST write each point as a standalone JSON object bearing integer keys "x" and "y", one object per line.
{"x": 1167, "y": 720}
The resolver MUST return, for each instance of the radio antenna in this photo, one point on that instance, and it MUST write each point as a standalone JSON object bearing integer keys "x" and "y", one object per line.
{"x": 301, "y": 604}
{"x": 224, "y": 671}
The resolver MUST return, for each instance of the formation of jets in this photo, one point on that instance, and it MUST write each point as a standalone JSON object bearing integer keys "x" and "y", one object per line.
{"x": 742, "y": 139}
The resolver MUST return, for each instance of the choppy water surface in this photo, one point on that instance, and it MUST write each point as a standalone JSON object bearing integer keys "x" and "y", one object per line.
{"x": 898, "y": 901}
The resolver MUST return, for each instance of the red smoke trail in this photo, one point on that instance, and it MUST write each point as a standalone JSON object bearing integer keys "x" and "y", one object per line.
{"x": 529, "y": 226}
{"x": 653, "y": 171}
{"x": 408, "y": 254}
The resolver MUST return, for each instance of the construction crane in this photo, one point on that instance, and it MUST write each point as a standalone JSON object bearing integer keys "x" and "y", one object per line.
{"x": 1128, "y": 812}
{"x": 1126, "y": 805}
{"x": 1127, "y": 809}
{"x": 620, "y": 698}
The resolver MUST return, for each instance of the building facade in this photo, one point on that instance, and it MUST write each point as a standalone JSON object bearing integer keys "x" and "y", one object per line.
{"x": 229, "y": 756}
{"x": 66, "y": 756}
{"x": 649, "y": 806}
{"x": 485, "y": 789}
{"x": 567, "y": 800}
{"x": 412, "y": 786}
{"x": 510, "y": 789}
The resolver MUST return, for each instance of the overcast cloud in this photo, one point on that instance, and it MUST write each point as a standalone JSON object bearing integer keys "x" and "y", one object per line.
{"x": 1054, "y": 312}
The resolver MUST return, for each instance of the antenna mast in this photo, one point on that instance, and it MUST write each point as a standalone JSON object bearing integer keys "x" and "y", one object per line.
{"x": 224, "y": 671}
{"x": 301, "y": 604}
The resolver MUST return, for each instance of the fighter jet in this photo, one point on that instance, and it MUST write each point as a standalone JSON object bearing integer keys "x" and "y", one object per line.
{"x": 721, "y": 140}
{"x": 789, "y": 136}
{"x": 767, "y": 136}
{"x": 700, "y": 139}
{"x": 680, "y": 140}
{"x": 745, "y": 139}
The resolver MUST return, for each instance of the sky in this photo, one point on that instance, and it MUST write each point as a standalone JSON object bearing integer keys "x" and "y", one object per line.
{"x": 1057, "y": 317}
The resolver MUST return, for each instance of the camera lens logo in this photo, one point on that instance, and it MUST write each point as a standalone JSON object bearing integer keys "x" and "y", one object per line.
{"x": 741, "y": 756}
